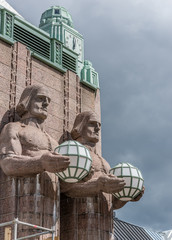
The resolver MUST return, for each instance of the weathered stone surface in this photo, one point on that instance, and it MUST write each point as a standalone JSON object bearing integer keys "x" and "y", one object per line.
{"x": 5, "y": 53}
{"x": 18, "y": 69}
{"x": 26, "y": 150}
{"x": 87, "y": 99}
{"x": 86, "y": 206}
{"x": 5, "y": 71}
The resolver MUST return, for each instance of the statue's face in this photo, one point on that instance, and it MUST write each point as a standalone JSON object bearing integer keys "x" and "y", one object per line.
{"x": 91, "y": 130}
{"x": 39, "y": 104}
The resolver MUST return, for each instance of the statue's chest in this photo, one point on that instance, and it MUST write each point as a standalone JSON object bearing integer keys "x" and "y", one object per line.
{"x": 32, "y": 137}
{"x": 99, "y": 164}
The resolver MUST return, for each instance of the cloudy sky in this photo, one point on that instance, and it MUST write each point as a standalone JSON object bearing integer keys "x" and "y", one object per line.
{"x": 130, "y": 45}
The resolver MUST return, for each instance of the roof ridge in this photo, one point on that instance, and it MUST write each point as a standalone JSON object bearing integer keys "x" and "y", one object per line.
{"x": 6, "y": 5}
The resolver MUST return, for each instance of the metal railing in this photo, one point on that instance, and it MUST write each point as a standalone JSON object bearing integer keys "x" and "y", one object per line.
{"x": 15, "y": 222}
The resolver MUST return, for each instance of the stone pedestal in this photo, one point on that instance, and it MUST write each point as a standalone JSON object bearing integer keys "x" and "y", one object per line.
{"x": 86, "y": 218}
{"x": 32, "y": 200}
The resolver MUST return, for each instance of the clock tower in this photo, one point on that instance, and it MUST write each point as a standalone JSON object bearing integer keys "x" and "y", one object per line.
{"x": 58, "y": 23}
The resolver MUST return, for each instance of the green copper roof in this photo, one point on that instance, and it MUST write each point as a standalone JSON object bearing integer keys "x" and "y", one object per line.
{"x": 56, "y": 14}
{"x": 56, "y": 42}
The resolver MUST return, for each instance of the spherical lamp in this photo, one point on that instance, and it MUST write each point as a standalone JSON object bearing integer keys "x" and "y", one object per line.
{"x": 133, "y": 178}
{"x": 80, "y": 161}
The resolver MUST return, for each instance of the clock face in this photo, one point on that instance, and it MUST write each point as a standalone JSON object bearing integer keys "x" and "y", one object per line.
{"x": 74, "y": 43}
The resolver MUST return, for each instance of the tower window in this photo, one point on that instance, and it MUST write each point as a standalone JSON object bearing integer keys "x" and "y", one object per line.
{"x": 57, "y": 11}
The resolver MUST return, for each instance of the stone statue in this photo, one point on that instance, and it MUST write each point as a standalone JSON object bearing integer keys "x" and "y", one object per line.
{"x": 27, "y": 157}
{"x": 90, "y": 201}
{"x": 25, "y": 147}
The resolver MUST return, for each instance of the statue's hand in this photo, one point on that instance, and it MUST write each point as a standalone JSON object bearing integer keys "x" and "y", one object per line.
{"x": 111, "y": 184}
{"x": 139, "y": 196}
{"x": 54, "y": 162}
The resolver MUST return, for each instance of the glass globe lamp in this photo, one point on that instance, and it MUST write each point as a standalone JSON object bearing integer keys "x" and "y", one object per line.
{"x": 133, "y": 178}
{"x": 80, "y": 161}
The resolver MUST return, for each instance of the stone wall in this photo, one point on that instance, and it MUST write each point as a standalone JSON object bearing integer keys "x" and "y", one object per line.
{"x": 68, "y": 97}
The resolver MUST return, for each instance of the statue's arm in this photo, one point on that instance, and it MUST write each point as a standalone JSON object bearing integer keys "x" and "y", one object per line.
{"x": 80, "y": 189}
{"x": 13, "y": 163}
{"x": 93, "y": 185}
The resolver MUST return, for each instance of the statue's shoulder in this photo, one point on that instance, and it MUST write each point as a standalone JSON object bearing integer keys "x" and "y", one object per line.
{"x": 10, "y": 128}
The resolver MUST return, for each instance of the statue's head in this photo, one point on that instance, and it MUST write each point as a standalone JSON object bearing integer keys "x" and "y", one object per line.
{"x": 86, "y": 127}
{"x": 34, "y": 102}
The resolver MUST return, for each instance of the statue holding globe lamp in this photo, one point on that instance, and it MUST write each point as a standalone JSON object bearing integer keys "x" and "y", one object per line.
{"x": 27, "y": 154}
{"x": 25, "y": 147}
{"x": 94, "y": 191}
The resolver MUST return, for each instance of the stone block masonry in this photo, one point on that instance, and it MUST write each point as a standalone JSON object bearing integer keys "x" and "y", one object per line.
{"x": 20, "y": 197}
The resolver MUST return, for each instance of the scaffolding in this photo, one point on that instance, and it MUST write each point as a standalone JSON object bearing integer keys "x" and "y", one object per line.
{"x": 15, "y": 222}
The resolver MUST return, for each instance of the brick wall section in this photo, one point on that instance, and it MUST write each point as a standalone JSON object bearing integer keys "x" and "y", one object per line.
{"x": 53, "y": 80}
{"x": 98, "y": 112}
{"x": 72, "y": 99}
{"x": 7, "y": 184}
{"x": 32, "y": 199}
{"x": 5, "y": 77}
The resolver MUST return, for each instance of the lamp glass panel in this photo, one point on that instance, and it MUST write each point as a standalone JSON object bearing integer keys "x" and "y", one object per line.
{"x": 82, "y": 151}
{"x": 125, "y": 199}
{"x": 140, "y": 184}
{"x": 132, "y": 192}
{"x": 72, "y": 150}
{"x": 117, "y": 172}
{"x": 60, "y": 175}
{"x": 128, "y": 181}
{"x": 71, "y": 180}
{"x": 73, "y": 161}
{"x": 72, "y": 171}
{"x": 126, "y": 171}
{"x": 136, "y": 193}
{"x": 117, "y": 195}
{"x": 121, "y": 193}
{"x": 126, "y": 190}
{"x": 66, "y": 172}
{"x": 63, "y": 150}
{"x": 83, "y": 174}
{"x": 124, "y": 165}
{"x": 88, "y": 165}
{"x": 134, "y": 172}
{"x": 140, "y": 175}
{"x": 81, "y": 162}
{"x": 135, "y": 182}
{"x": 88, "y": 153}
{"x": 79, "y": 171}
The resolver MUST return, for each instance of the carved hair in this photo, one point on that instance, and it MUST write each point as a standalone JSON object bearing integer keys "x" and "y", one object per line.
{"x": 26, "y": 97}
{"x": 80, "y": 121}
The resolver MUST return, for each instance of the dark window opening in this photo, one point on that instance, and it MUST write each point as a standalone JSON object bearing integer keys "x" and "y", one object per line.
{"x": 56, "y": 11}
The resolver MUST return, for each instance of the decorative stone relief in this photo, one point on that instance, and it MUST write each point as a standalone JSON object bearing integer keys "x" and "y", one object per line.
{"x": 12, "y": 100}
{"x": 28, "y": 68}
{"x": 89, "y": 203}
